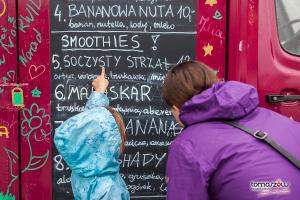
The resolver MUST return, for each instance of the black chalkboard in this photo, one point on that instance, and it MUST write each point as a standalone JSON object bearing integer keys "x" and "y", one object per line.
{"x": 137, "y": 41}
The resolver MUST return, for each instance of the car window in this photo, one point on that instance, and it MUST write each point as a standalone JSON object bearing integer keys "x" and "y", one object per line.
{"x": 288, "y": 24}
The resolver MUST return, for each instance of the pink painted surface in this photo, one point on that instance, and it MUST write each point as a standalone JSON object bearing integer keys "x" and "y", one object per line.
{"x": 9, "y": 139}
{"x": 35, "y": 122}
{"x": 278, "y": 71}
{"x": 242, "y": 63}
{"x": 256, "y": 57}
{"x": 211, "y": 34}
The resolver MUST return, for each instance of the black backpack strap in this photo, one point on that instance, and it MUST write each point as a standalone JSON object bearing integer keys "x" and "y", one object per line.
{"x": 264, "y": 137}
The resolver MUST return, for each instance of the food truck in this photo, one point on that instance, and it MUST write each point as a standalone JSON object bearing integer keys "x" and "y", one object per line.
{"x": 51, "y": 50}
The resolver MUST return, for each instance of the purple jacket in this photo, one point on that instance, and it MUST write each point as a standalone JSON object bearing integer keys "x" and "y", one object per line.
{"x": 212, "y": 160}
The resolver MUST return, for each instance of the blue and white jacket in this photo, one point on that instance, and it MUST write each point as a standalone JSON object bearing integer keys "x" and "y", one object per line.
{"x": 90, "y": 142}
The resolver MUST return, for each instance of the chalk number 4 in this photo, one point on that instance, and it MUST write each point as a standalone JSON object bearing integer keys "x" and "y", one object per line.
{"x": 57, "y": 13}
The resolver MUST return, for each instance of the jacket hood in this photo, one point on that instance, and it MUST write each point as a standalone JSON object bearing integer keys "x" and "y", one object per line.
{"x": 224, "y": 100}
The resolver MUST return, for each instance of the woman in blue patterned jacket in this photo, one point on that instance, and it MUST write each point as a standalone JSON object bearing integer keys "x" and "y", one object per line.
{"x": 90, "y": 144}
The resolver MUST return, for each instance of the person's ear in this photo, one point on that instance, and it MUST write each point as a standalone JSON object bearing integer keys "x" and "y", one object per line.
{"x": 176, "y": 109}
{"x": 175, "y": 112}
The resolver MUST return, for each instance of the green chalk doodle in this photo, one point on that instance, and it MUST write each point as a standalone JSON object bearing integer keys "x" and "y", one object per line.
{"x": 6, "y": 197}
{"x": 2, "y": 61}
{"x": 36, "y": 93}
{"x": 217, "y": 15}
{"x": 13, "y": 160}
{"x": 31, "y": 132}
{"x": 11, "y": 19}
{"x": 10, "y": 76}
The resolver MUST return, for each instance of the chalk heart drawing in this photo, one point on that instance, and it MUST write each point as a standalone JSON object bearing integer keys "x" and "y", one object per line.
{"x": 35, "y": 127}
{"x": 36, "y": 71}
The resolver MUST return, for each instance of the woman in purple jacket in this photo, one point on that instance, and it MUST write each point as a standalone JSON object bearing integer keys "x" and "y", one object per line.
{"x": 213, "y": 160}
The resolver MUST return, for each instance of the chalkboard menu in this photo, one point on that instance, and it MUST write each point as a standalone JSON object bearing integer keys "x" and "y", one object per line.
{"x": 137, "y": 41}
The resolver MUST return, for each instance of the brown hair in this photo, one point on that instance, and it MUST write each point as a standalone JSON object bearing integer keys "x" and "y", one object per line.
{"x": 121, "y": 126}
{"x": 185, "y": 80}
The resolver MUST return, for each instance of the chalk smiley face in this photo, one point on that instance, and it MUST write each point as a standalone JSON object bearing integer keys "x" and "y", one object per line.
{"x": 36, "y": 71}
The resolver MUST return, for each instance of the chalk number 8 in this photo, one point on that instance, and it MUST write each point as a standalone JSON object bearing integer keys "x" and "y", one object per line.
{"x": 58, "y": 163}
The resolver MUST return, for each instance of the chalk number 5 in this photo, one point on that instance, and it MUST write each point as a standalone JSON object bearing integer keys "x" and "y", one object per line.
{"x": 55, "y": 61}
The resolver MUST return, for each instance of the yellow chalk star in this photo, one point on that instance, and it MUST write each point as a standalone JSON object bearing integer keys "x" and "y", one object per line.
{"x": 211, "y": 2}
{"x": 208, "y": 49}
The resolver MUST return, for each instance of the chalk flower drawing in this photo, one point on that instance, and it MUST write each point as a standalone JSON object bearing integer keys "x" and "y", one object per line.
{"x": 13, "y": 167}
{"x": 35, "y": 126}
{"x": 35, "y": 122}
